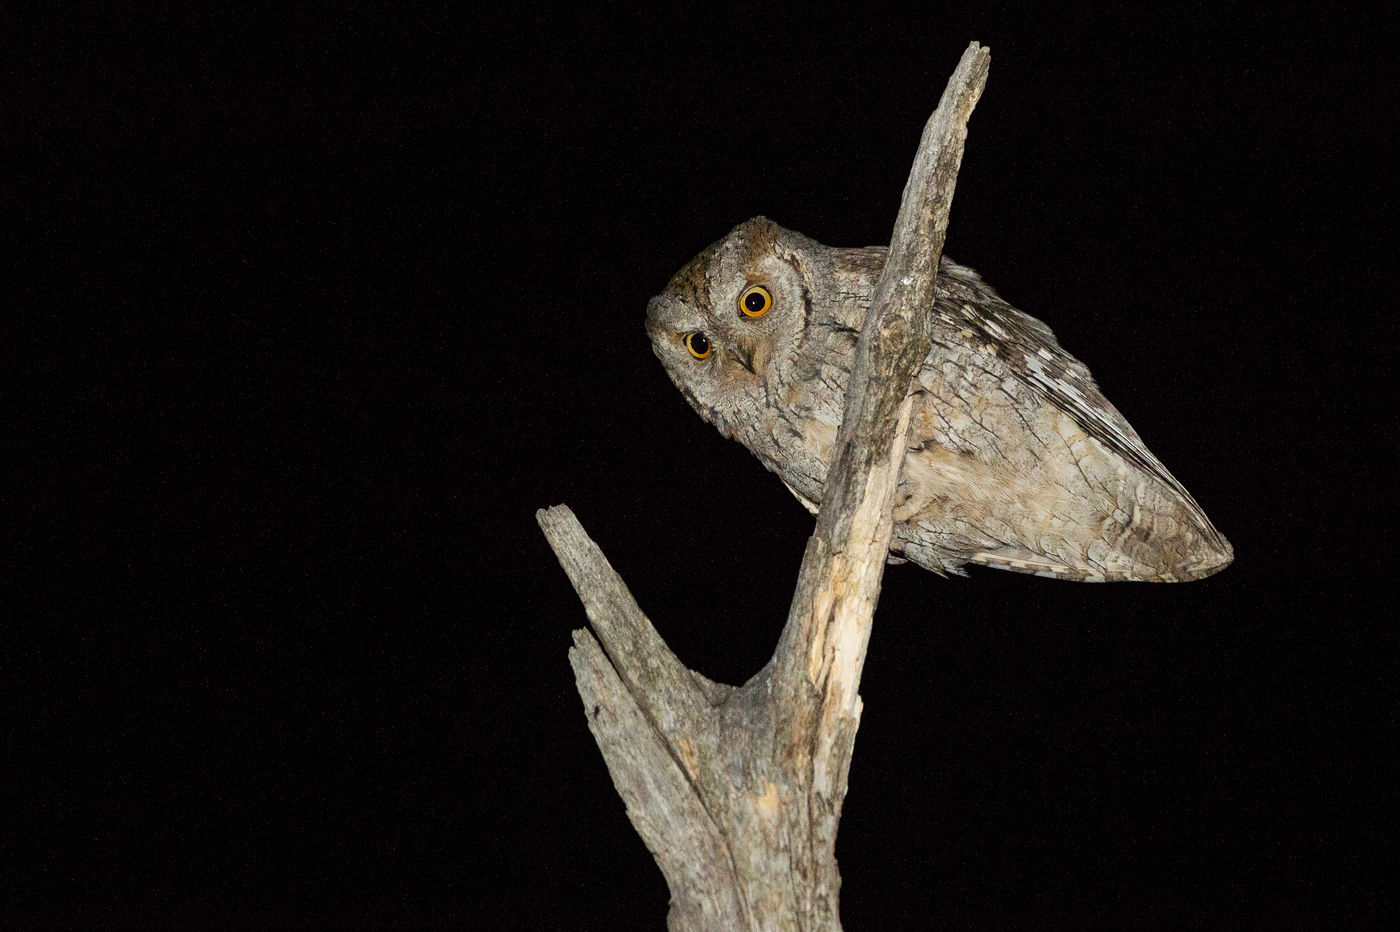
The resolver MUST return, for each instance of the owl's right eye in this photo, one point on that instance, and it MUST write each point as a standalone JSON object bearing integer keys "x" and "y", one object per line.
{"x": 698, "y": 344}
{"x": 755, "y": 301}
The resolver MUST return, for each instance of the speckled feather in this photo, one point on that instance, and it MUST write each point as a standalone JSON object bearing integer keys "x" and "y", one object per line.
{"x": 1016, "y": 460}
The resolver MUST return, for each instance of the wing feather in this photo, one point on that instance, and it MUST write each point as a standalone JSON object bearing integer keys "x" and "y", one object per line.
{"x": 1031, "y": 352}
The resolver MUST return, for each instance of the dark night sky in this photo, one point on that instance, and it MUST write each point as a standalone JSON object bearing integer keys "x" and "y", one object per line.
{"x": 316, "y": 310}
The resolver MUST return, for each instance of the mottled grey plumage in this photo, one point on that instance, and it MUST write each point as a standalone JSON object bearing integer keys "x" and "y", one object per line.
{"x": 1016, "y": 460}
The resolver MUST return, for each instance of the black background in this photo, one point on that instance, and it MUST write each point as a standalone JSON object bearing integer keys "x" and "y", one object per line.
{"x": 316, "y": 309}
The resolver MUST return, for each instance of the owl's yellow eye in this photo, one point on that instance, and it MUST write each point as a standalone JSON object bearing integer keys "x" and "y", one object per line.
{"x": 698, "y": 344}
{"x": 755, "y": 301}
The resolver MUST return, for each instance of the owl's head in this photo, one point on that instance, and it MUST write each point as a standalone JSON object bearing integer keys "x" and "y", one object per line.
{"x": 730, "y": 324}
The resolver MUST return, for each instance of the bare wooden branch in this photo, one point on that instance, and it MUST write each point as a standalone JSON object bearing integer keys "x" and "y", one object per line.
{"x": 828, "y": 625}
{"x": 738, "y": 792}
{"x": 661, "y": 800}
{"x": 654, "y": 677}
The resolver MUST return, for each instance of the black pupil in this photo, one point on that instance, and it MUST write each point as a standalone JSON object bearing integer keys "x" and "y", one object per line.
{"x": 698, "y": 344}
{"x": 754, "y": 301}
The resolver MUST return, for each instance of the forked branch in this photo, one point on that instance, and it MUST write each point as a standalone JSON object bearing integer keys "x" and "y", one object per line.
{"x": 738, "y": 791}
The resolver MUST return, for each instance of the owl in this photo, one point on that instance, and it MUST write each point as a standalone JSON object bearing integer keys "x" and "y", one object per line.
{"x": 1015, "y": 460}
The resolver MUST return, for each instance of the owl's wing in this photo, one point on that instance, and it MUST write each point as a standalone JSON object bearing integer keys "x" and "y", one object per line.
{"x": 1029, "y": 349}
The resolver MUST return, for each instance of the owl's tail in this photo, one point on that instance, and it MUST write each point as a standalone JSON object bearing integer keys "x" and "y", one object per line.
{"x": 1153, "y": 533}
{"x": 1168, "y": 538}
{"x": 1159, "y": 536}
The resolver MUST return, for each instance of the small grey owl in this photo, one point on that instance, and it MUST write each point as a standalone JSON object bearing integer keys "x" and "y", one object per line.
{"x": 1015, "y": 459}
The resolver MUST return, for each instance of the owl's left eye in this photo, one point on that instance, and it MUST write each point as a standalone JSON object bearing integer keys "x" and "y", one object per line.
{"x": 755, "y": 301}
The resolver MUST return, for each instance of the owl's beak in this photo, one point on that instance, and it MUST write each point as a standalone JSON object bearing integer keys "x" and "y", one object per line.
{"x": 743, "y": 356}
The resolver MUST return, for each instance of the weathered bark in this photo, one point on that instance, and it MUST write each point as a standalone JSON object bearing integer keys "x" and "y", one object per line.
{"x": 737, "y": 792}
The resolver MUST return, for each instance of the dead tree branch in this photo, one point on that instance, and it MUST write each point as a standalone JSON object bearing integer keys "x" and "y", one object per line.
{"x": 738, "y": 791}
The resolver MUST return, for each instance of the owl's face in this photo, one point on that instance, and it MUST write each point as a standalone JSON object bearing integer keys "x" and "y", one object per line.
{"x": 730, "y": 325}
